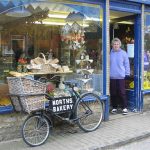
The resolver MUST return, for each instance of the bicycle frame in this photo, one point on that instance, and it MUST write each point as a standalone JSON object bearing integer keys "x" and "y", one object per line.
{"x": 72, "y": 112}
{"x": 48, "y": 112}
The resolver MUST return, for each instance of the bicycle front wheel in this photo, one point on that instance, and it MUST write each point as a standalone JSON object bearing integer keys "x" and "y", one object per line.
{"x": 35, "y": 130}
{"x": 89, "y": 112}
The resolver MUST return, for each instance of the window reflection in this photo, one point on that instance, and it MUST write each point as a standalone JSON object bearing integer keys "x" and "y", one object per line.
{"x": 146, "y": 84}
{"x": 47, "y": 28}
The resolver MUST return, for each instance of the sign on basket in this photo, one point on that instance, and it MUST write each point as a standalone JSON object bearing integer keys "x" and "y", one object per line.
{"x": 61, "y": 104}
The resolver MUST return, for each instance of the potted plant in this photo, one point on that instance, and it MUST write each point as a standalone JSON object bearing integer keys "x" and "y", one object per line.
{"x": 22, "y": 62}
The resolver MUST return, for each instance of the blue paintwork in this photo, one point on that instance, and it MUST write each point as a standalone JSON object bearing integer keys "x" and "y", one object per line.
{"x": 125, "y": 6}
{"x": 146, "y": 92}
{"x": 137, "y": 62}
{"x": 6, "y": 109}
{"x": 141, "y": 1}
{"x": 105, "y": 99}
{"x": 105, "y": 38}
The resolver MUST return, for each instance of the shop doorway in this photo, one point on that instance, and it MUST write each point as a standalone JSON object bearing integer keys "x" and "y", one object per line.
{"x": 122, "y": 27}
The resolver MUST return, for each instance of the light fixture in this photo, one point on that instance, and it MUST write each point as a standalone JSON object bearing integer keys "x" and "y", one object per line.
{"x": 56, "y": 23}
{"x": 65, "y": 15}
{"x": 126, "y": 22}
{"x": 93, "y": 19}
{"x": 19, "y": 12}
{"x": 58, "y": 16}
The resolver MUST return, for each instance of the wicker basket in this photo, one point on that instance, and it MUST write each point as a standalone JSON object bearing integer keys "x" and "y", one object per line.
{"x": 46, "y": 67}
{"x": 19, "y": 86}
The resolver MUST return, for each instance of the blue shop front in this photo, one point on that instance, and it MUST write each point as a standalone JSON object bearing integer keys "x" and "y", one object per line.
{"x": 71, "y": 30}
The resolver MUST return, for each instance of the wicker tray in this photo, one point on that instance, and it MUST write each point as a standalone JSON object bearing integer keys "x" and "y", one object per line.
{"x": 45, "y": 65}
{"x": 45, "y": 68}
{"x": 19, "y": 86}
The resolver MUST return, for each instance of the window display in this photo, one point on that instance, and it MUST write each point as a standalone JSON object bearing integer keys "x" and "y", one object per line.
{"x": 146, "y": 74}
{"x": 68, "y": 31}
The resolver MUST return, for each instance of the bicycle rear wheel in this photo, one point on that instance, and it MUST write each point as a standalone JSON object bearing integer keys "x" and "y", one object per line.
{"x": 89, "y": 111}
{"x": 35, "y": 130}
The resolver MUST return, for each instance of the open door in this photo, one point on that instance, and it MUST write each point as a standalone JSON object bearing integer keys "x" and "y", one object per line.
{"x": 122, "y": 26}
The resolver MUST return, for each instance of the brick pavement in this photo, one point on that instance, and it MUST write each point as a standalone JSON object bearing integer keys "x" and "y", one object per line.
{"x": 119, "y": 130}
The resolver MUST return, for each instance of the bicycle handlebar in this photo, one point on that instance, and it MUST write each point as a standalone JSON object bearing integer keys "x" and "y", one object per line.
{"x": 69, "y": 84}
{"x": 45, "y": 79}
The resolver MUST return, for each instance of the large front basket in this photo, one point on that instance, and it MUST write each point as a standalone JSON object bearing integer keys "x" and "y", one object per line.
{"x": 20, "y": 89}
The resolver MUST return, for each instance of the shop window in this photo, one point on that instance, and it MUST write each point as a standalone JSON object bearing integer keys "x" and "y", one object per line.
{"x": 146, "y": 59}
{"x": 68, "y": 31}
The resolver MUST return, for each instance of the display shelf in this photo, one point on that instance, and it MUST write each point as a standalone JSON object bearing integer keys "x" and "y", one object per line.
{"x": 84, "y": 80}
{"x": 17, "y": 74}
{"x": 84, "y": 60}
{"x": 84, "y": 69}
{"x": 146, "y": 91}
{"x": 87, "y": 90}
{"x": 84, "y": 66}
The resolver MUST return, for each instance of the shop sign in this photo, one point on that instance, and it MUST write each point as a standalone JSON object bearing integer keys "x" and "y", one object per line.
{"x": 141, "y": 1}
{"x": 61, "y": 104}
{"x": 130, "y": 50}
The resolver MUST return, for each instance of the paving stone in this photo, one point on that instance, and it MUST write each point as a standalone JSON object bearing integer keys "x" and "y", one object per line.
{"x": 119, "y": 130}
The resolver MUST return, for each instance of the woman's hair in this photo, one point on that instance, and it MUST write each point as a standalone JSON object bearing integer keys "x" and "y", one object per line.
{"x": 115, "y": 40}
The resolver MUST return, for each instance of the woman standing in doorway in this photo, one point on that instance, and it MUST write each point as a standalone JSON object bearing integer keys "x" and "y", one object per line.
{"x": 119, "y": 70}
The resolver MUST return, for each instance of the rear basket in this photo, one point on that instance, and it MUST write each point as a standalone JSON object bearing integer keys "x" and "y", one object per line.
{"x": 19, "y": 86}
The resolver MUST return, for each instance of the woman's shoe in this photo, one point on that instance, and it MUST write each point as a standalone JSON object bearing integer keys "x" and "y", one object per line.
{"x": 125, "y": 111}
{"x": 114, "y": 111}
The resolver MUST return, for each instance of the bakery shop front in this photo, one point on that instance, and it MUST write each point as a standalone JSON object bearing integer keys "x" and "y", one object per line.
{"x": 50, "y": 38}
{"x": 71, "y": 36}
